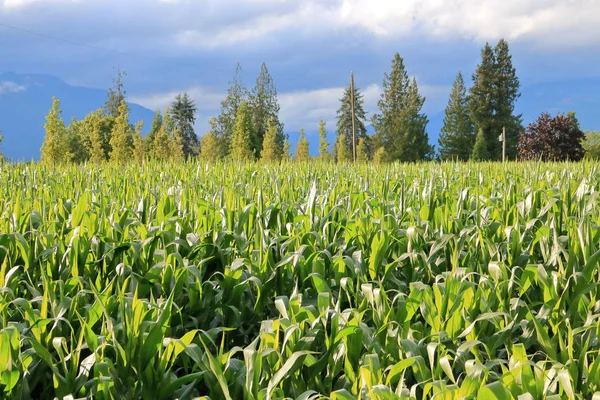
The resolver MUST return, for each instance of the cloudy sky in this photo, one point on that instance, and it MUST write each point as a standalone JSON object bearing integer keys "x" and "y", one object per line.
{"x": 310, "y": 46}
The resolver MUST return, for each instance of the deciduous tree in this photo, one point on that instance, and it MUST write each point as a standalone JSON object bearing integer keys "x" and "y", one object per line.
{"x": 552, "y": 139}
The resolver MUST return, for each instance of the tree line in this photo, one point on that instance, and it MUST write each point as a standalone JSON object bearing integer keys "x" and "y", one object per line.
{"x": 248, "y": 127}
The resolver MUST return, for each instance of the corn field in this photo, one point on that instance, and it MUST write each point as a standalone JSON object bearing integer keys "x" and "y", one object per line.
{"x": 312, "y": 281}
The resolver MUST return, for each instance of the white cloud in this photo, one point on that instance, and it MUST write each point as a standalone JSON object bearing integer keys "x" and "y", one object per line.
{"x": 544, "y": 21}
{"x": 220, "y": 23}
{"x": 304, "y": 109}
{"x": 14, "y": 4}
{"x": 10, "y": 87}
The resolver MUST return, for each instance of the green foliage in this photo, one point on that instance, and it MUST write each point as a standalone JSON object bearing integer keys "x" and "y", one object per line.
{"x": 457, "y": 137}
{"x": 287, "y": 155}
{"x": 323, "y": 142}
{"x": 272, "y": 149}
{"x": 342, "y": 153}
{"x": 492, "y": 100}
{"x": 241, "y": 142}
{"x": 183, "y": 116}
{"x": 78, "y": 141}
{"x": 591, "y": 145}
{"x": 211, "y": 147}
{"x": 362, "y": 151}
{"x": 400, "y": 125}
{"x": 380, "y": 156}
{"x": 301, "y": 281}
{"x": 97, "y": 142}
{"x": 55, "y": 149}
{"x": 302, "y": 148}
{"x": 157, "y": 122}
{"x": 139, "y": 144}
{"x": 1, "y": 155}
{"x": 121, "y": 140}
{"x": 480, "y": 150}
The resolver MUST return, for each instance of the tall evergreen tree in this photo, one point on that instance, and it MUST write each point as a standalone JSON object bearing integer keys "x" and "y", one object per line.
{"x": 264, "y": 105}
{"x": 55, "y": 149}
{"x": 183, "y": 114}
{"x": 323, "y": 142}
{"x": 457, "y": 137}
{"x": 116, "y": 95}
{"x": 272, "y": 149}
{"x": 302, "y": 148}
{"x": 229, "y": 108}
{"x": 157, "y": 122}
{"x": 241, "y": 142}
{"x": 139, "y": 144}
{"x": 400, "y": 125}
{"x": 344, "y": 117}
{"x": 121, "y": 140}
{"x": 492, "y": 99}
{"x": 506, "y": 94}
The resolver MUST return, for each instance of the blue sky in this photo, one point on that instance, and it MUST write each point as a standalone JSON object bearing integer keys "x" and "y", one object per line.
{"x": 310, "y": 46}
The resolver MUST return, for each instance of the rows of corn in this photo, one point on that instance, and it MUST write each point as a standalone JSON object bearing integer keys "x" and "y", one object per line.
{"x": 229, "y": 281}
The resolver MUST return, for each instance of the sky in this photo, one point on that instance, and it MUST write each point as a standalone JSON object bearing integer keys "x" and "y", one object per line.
{"x": 310, "y": 47}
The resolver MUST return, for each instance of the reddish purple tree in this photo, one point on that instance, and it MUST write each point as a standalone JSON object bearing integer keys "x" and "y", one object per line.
{"x": 552, "y": 139}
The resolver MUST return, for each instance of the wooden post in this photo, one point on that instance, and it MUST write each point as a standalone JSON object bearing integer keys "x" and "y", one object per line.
{"x": 503, "y": 144}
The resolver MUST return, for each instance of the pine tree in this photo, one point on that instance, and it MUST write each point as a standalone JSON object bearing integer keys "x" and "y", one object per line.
{"x": 401, "y": 126}
{"x": 480, "y": 150}
{"x": 55, "y": 149}
{"x": 272, "y": 149}
{"x": 302, "y": 148}
{"x": 492, "y": 100}
{"x": 116, "y": 95}
{"x": 342, "y": 152}
{"x": 457, "y": 137}
{"x": 506, "y": 95}
{"x": 362, "y": 151}
{"x": 121, "y": 140}
{"x": 156, "y": 124}
{"x": 344, "y": 116}
{"x": 139, "y": 144}
{"x": 229, "y": 108}
{"x": 241, "y": 142}
{"x": 183, "y": 114}
{"x": 264, "y": 105}
{"x": 380, "y": 156}
{"x": 323, "y": 143}
{"x": 210, "y": 146}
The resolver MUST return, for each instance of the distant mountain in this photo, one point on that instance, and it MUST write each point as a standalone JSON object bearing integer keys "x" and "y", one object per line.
{"x": 25, "y": 101}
